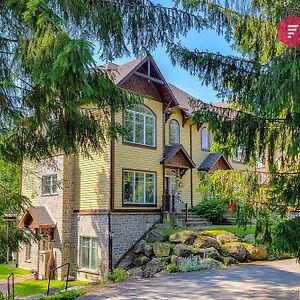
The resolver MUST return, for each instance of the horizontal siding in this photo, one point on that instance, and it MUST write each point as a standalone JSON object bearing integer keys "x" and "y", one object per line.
{"x": 29, "y": 181}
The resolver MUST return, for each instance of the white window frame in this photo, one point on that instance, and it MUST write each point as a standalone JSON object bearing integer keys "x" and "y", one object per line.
{"x": 28, "y": 253}
{"x": 144, "y": 182}
{"x": 89, "y": 268}
{"x": 238, "y": 157}
{"x": 174, "y": 125}
{"x": 205, "y": 135}
{"x": 53, "y": 178}
{"x": 148, "y": 113}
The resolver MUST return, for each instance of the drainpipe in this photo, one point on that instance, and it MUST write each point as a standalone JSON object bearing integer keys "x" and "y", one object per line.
{"x": 164, "y": 145}
{"x": 191, "y": 173}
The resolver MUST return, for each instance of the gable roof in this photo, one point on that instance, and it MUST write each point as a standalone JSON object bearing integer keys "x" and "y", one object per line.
{"x": 211, "y": 160}
{"x": 37, "y": 217}
{"x": 172, "y": 151}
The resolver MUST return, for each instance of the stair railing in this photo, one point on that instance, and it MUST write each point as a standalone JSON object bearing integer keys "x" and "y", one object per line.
{"x": 54, "y": 269}
{"x": 9, "y": 290}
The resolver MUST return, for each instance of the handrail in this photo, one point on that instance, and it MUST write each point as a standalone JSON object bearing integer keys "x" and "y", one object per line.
{"x": 13, "y": 285}
{"x": 54, "y": 269}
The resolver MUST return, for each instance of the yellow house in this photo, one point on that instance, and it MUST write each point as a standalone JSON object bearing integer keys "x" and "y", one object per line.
{"x": 92, "y": 210}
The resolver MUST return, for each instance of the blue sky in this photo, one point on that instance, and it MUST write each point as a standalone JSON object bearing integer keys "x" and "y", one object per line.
{"x": 205, "y": 40}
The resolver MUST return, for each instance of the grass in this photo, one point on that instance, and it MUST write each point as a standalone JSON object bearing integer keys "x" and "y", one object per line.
{"x": 6, "y": 270}
{"x": 31, "y": 287}
{"x": 233, "y": 229}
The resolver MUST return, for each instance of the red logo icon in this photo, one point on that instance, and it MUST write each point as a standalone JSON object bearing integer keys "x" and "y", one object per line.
{"x": 289, "y": 31}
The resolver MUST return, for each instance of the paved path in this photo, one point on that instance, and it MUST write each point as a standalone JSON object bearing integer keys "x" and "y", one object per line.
{"x": 3, "y": 282}
{"x": 269, "y": 280}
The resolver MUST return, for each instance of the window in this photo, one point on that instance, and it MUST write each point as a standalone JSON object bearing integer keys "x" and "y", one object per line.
{"x": 89, "y": 253}
{"x": 174, "y": 132}
{"x": 239, "y": 154}
{"x": 205, "y": 139}
{"x": 260, "y": 163}
{"x": 140, "y": 125}
{"x": 28, "y": 253}
{"x": 49, "y": 185}
{"x": 139, "y": 187}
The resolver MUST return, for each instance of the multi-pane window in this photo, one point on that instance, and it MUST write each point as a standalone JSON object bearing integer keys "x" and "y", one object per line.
{"x": 205, "y": 139}
{"x": 140, "y": 125}
{"x": 174, "y": 132}
{"x": 260, "y": 163}
{"x": 28, "y": 253}
{"x": 89, "y": 253}
{"x": 139, "y": 187}
{"x": 239, "y": 155}
{"x": 49, "y": 184}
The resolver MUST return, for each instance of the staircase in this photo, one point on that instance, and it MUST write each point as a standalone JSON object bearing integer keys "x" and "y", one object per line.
{"x": 193, "y": 220}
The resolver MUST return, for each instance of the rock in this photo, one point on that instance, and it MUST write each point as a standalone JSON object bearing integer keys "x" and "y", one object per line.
{"x": 182, "y": 250}
{"x": 256, "y": 252}
{"x": 224, "y": 238}
{"x": 53, "y": 291}
{"x": 205, "y": 242}
{"x": 70, "y": 278}
{"x": 127, "y": 260}
{"x": 155, "y": 236}
{"x": 186, "y": 237}
{"x": 228, "y": 260}
{"x": 140, "y": 260}
{"x": 211, "y": 263}
{"x": 236, "y": 250}
{"x": 136, "y": 273}
{"x": 209, "y": 253}
{"x": 161, "y": 226}
{"x": 185, "y": 265}
{"x": 155, "y": 265}
{"x": 249, "y": 238}
{"x": 161, "y": 249}
{"x": 174, "y": 259}
{"x": 148, "y": 251}
{"x": 284, "y": 256}
{"x": 139, "y": 247}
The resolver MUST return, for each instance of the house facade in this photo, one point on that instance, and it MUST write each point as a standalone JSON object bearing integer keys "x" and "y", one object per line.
{"x": 91, "y": 210}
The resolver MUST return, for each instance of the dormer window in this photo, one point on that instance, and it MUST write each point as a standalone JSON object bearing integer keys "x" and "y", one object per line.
{"x": 174, "y": 134}
{"x": 205, "y": 139}
{"x": 140, "y": 125}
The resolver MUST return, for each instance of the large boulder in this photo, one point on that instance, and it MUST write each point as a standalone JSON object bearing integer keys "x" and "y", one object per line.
{"x": 161, "y": 249}
{"x": 183, "y": 250}
{"x": 140, "y": 260}
{"x": 155, "y": 236}
{"x": 139, "y": 247}
{"x": 155, "y": 265}
{"x": 162, "y": 226}
{"x": 148, "y": 251}
{"x": 228, "y": 260}
{"x": 224, "y": 238}
{"x": 209, "y": 253}
{"x": 249, "y": 238}
{"x": 211, "y": 263}
{"x": 236, "y": 250}
{"x": 136, "y": 273}
{"x": 256, "y": 252}
{"x": 185, "y": 237}
{"x": 203, "y": 241}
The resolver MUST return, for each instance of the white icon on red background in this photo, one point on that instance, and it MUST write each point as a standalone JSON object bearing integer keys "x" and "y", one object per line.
{"x": 289, "y": 31}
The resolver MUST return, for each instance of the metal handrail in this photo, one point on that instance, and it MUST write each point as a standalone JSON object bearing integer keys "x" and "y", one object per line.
{"x": 12, "y": 275}
{"x": 184, "y": 203}
{"x": 54, "y": 269}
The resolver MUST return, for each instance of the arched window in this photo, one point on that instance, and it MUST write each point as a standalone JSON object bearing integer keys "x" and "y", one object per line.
{"x": 205, "y": 139}
{"x": 174, "y": 134}
{"x": 140, "y": 125}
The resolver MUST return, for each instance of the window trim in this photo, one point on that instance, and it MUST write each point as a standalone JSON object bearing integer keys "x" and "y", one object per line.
{"x": 49, "y": 194}
{"x": 155, "y": 131}
{"x": 81, "y": 268}
{"x": 237, "y": 161}
{"x": 209, "y": 140}
{"x": 28, "y": 247}
{"x": 125, "y": 204}
{"x": 174, "y": 120}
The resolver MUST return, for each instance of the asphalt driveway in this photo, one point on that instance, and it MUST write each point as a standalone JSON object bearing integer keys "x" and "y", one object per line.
{"x": 269, "y": 280}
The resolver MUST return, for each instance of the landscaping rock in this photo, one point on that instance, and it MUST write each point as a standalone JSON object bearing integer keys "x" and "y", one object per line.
{"x": 127, "y": 260}
{"x": 155, "y": 236}
{"x": 186, "y": 237}
{"x": 140, "y": 260}
{"x": 174, "y": 259}
{"x": 224, "y": 238}
{"x": 161, "y": 226}
{"x": 256, "y": 252}
{"x": 182, "y": 250}
{"x": 155, "y": 265}
{"x": 139, "y": 247}
{"x": 209, "y": 253}
{"x": 70, "y": 278}
{"x": 249, "y": 238}
{"x": 161, "y": 249}
{"x": 148, "y": 251}
{"x": 136, "y": 273}
{"x": 205, "y": 242}
{"x": 211, "y": 263}
{"x": 236, "y": 250}
{"x": 228, "y": 260}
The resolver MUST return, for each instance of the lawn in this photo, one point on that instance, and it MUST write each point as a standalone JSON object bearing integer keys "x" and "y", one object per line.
{"x": 6, "y": 270}
{"x": 250, "y": 229}
{"x": 31, "y": 287}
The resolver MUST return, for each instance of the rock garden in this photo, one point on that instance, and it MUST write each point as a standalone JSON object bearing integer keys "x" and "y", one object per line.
{"x": 183, "y": 250}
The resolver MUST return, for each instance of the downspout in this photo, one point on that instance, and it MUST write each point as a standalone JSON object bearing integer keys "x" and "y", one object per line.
{"x": 191, "y": 173}
{"x": 164, "y": 145}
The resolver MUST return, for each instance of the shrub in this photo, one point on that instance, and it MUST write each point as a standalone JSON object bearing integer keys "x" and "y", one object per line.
{"x": 213, "y": 210}
{"x": 5, "y": 296}
{"x": 193, "y": 263}
{"x": 172, "y": 268}
{"x": 117, "y": 275}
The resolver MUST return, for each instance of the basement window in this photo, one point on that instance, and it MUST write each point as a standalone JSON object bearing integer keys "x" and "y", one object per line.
{"x": 88, "y": 253}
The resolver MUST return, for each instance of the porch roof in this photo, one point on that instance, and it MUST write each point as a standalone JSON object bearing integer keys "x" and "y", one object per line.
{"x": 37, "y": 217}
{"x": 215, "y": 161}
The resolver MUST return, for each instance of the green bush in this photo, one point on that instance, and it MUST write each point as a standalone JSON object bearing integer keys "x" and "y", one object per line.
{"x": 212, "y": 210}
{"x": 172, "y": 268}
{"x": 117, "y": 275}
